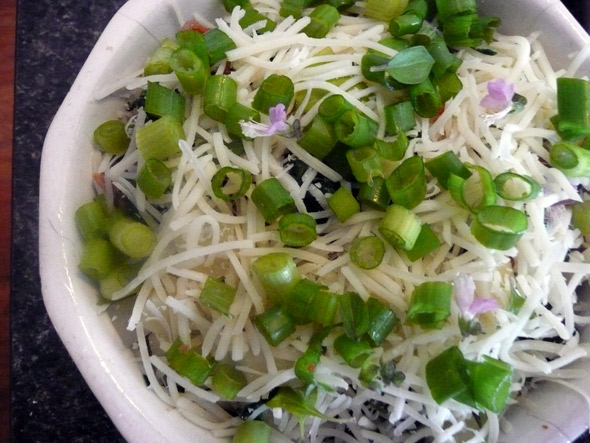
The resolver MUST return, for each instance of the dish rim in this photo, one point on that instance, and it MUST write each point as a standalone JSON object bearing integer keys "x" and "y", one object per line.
{"x": 97, "y": 349}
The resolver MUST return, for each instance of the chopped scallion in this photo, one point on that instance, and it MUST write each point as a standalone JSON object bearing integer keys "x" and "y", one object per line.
{"x": 367, "y": 252}
{"x": 385, "y": 9}
{"x": 407, "y": 183}
{"x": 161, "y": 101}
{"x": 220, "y": 95}
{"x": 516, "y": 187}
{"x": 343, "y": 203}
{"x": 430, "y": 304}
{"x": 111, "y": 137}
{"x": 252, "y": 431}
{"x": 192, "y": 72}
{"x": 297, "y": 229}
{"x": 231, "y": 183}
{"x": 374, "y": 194}
{"x": 98, "y": 258}
{"x": 227, "y": 381}
{"x": 475, "y": 192}
{"x": 300, "y": 299}
{"x": 278, "y": 275}
{"x": 273, "y": 90}
{"x": 160, "y": 138}
{"x": 499, "y": 227}
{"x": 365, "y": 164}
{"x": 91, "y": 220}
{"x": 154, "y": 178}
{"x": 573, "y": 107}
{"x": 442, "y": 166}
{"x": 571, "y": 159}
{"x": 132, "y": 238}
{"x": 581, "y": 216}
{"x": 218, "y": 43}
{"x": 355, "y": 129}
{"x": 382, "y": 320}
{"x": 319, "y": 138}
{"x": 354, "y": 353}
{"x": 275, "y": 325}
{"x": 188, "y": 363}
{"x": 323, "y": 18}
{"x": 217, "y": 295}
{"x": 400, "y": 227}
{"x": 426, "y": 243}
{"x": 272, "y": 199}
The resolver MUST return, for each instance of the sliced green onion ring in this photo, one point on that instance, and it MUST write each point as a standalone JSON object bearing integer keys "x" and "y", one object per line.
{"x": 499, "y": 227}
{"x": 446, "y": 375}
{"x": 581, "y": 216}
{"x": 272, "y": 199}
{"x": 400, "y": 227}
{"x": 277, "y": 274}
{"x": 475, "y": 192}
{"x": 230, "y": 183}
{"x": 355, "y": 315}
{"x": 227, "y": 381}
{"x": 275, "y": 324}
{"x": 407, "y": 183}
{"x": 367, "y": 252}
{"x": 382, "y": 320}
{"x": 217, "y": 295}
{"x": 430, "y": 304}
{"x": 353, "y": 352}
{"x": 297, "y": 229}
{"x": 343, "y": 203}
{"x": 426, "y": 242}
{"x": 516, "y": 187}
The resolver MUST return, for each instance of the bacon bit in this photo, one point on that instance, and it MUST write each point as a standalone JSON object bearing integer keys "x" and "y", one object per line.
{"x": 98, "y": 179}
{"x": 195, "y": 26}
{"x": 440, "y": 112}
{"x": 227, "y": 69}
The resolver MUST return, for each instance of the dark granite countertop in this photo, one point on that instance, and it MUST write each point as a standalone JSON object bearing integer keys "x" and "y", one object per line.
{"x": 50, "y": 401}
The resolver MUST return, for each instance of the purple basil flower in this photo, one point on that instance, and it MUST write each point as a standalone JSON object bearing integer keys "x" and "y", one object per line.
{"x": 468, "y": 303}
{"x": 277, "y": 125}
{"x": 500, "y": 94}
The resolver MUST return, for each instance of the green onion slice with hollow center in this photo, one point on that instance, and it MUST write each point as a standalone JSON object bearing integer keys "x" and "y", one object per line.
{"x": 400, "y": 227}
{"x": 430, "y": 304}
{"x": 475, "y": 192}
{"x": 499, "y": 227}
{"x": 297, "y": 229}
{"x": 516, "y": 187}
{"x": 407, "y": 183}
{"x": 230, "y": 183}
{"x": 367, "y": 252}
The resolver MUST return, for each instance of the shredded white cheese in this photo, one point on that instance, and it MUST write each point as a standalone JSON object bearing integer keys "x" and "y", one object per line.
{"x": 199, "y": 235}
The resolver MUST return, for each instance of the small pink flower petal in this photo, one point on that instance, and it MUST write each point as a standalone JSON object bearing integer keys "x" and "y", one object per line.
{"x": 254, "y": 129}
{"x": 464, "y": 289}
{"x": 481, "y": 305}
{"x": 500, "y": 88}
{"x": 470, "y": 305}
{"x": 277, "y": 124}
{"x": 277, "y": 114}
{"x": 500, "y": 94}
{"x": 494, "y": 103}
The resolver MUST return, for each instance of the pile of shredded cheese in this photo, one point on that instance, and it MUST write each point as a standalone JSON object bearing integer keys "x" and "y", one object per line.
{"x": 199, "y": 235}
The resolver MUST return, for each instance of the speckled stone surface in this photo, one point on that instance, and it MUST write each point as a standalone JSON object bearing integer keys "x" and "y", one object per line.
{"x": 50, "y": 400}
